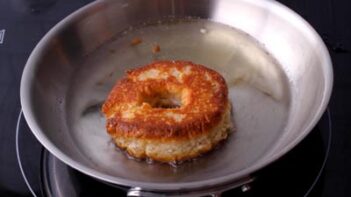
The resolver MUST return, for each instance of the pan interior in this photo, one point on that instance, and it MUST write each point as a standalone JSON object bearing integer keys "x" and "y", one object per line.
{"x": 258, "y": 86}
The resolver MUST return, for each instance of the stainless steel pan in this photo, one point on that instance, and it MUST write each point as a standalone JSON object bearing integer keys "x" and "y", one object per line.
{"x": 280, "y": 79}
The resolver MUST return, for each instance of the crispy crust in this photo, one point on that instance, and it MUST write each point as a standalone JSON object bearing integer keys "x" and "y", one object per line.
{"x": 176, "y": 150}
{"x": 203, "y": 96}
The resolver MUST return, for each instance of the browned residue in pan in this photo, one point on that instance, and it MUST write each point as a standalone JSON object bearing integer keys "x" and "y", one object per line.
{"x": 135, "y": 41}
{"x": 156, "y": 48}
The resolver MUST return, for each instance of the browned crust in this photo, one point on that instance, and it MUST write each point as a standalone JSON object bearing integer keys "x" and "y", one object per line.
{"x": 206, "y": 101}
{"x": 176, "y": 150}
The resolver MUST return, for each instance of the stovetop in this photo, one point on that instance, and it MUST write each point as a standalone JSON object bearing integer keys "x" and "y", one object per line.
{"x": 24, "y": 22}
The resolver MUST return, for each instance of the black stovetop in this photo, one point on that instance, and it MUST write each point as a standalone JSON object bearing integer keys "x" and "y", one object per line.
{"x": 24, "y": 22}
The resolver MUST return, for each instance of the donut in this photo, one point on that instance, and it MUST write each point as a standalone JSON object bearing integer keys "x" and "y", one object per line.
{"x": 168, "y": 111}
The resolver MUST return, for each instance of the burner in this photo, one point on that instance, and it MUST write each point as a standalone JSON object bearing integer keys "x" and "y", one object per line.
{"x": 297, "y": 173}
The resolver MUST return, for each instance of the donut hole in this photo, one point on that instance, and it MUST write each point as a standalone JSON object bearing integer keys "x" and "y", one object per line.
{"x": 165, "y": 100}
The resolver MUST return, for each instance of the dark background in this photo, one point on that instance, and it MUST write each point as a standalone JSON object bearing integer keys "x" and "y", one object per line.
{"x": 26, "y": 23}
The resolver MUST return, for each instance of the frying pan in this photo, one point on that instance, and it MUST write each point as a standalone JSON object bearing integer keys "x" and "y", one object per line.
{"x": 277, "y": 68}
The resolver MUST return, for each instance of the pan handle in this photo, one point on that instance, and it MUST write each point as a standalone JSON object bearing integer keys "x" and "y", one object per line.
{"x": 214, "y": 191}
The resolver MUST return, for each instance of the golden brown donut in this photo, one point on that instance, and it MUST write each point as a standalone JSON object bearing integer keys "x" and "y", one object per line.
{"x": 168, "y": 111}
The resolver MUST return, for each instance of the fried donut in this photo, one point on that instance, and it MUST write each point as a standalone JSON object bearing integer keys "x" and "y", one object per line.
{"x": 168, "y": 111}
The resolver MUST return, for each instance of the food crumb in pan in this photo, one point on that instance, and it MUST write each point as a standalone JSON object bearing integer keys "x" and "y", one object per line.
{"x": 105, "y": 79}
{"x": 111, "y": 74}
{"x": 156, "y": 48}
{"x": 135, "y": 41}
{"x": 100, "y": 83}
{"x": 203, "y": 30}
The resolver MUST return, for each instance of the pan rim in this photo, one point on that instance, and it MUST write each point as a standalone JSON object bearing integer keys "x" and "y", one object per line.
{"x": 27, "y": 82}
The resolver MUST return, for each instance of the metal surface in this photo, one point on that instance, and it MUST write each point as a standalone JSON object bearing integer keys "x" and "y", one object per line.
{"x": 217, "y": 190}
{"x": 74, "y": 66}
{"x": 25, "y": 162}
{"x": 59, "y": 180}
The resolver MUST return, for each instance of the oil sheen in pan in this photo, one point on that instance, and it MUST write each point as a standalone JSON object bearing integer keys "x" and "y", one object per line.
{"x": 257, "y": 85}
